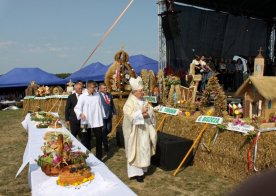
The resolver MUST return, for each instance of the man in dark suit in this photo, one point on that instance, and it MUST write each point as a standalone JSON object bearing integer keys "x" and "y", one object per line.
{"x": 70, "y": 115}
{"x": 109, "y": 110}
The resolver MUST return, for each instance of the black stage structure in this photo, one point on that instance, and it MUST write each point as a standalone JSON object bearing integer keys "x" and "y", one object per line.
{"x": 226, "y": 28}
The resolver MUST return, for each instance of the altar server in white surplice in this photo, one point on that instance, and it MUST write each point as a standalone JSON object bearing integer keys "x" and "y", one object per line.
{"x": 139, "y": 131}
{"x": 90, "y": 111}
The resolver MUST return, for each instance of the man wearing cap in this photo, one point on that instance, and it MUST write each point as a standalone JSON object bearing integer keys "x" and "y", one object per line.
{"x": 139, "y": 131}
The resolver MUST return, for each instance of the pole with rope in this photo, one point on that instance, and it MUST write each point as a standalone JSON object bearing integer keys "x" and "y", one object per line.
{"x": 107, "y": 32}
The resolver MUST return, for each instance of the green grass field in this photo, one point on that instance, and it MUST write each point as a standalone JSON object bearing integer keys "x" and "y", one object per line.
{"x": 190, "y": 181}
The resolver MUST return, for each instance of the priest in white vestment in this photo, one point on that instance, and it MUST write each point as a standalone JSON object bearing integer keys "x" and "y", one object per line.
{"x": 139, "y": 131}
{"x": 90, "y": 111}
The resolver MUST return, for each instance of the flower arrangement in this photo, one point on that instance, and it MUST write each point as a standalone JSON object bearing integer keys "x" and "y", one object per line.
{"x": 42, "y": 91}
{"x": 238, "y": 121}
{"x": 57, "y": 160}
{"x": 272, "y": 117}
{"x": 43, "y": 117}
{"x": 172, "y": 80}
{"x": 57, "y": 154}
{"x": 235, "y": 110}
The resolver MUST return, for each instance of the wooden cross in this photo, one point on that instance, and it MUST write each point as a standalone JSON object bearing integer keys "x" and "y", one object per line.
{"x": 32, "y": 82}
{"x": 260, "y": 50}
{"x": 260, "y": 53}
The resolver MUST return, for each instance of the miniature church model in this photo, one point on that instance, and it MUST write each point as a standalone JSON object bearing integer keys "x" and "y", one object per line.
{"x": 258, "y": 92}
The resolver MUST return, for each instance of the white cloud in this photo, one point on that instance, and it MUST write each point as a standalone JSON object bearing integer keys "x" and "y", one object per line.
{"x": 57, "y": 49}
{"x": 46, "y": 48}
{"x": 48, "y": 44}
{"x": 62, "y": 55}
{"x": 108, "y": 51}
{"x": 96, "y": 34}
{"x": 6, "y": 43}
{"x": 36, "y": 49}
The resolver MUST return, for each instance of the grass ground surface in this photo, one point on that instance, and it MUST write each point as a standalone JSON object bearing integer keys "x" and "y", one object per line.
{"x": 190, "y": 181}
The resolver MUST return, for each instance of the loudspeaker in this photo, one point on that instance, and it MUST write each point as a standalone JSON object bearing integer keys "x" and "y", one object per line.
{"x": 170, "y": 25}
{"x": 170, "y": 151}
{"x": 120, "y": 137}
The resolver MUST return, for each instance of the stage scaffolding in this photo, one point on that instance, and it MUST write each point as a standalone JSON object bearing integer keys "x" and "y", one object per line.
{"x": 161, "y": 37}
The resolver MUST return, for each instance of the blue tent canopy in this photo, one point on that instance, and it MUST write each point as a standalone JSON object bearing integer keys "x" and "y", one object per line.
{"x": 19, "y": 77}
{"x": 139, "y": 62}
{"x": 95, "y": 71}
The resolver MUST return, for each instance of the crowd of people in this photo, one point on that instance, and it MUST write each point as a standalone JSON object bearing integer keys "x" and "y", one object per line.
{"x": 91, "y": 110}
{"x": 12, "y": 94}
{"x": 230, "y": 72}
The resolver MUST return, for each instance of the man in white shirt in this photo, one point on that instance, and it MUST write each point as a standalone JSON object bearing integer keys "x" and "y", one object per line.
{"x": 90, "y": 111}
{"x": 139, "y": 131}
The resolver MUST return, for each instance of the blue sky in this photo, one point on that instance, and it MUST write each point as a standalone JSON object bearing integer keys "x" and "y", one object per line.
{"x": 58, "y": 35}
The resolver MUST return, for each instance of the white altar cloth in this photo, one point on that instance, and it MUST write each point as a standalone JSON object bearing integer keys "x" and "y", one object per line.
{"x": 105, "y": 182}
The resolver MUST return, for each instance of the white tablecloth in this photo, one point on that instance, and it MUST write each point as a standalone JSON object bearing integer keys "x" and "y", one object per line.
{"x": 105, "y": 182}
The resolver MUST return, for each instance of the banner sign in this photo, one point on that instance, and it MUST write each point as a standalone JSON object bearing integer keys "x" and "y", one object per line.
{"x": 58, "y": 96}
{"x": 29, "y": 97}
{"x": 209, "y": 120}
{"x": 240, "y": 128}
{"x": 48, "y": 97}
{"x": 41, "y": 97}
{"x": 151, "y": 99}
{"x": 268, "y": 129}
{"x": 167, "y": 110}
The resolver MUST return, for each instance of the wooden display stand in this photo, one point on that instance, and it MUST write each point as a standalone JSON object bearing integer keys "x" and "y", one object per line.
{"x": 189, "y": 94}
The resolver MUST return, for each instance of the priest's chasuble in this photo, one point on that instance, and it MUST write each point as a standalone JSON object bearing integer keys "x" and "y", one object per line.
{"x": 139, "y": 134}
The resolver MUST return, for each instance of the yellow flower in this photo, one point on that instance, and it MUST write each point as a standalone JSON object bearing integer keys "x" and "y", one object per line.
{"x": 187, "y": 114}
{"x": 236, "y": 112}
{"x": 210, "y": 111}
